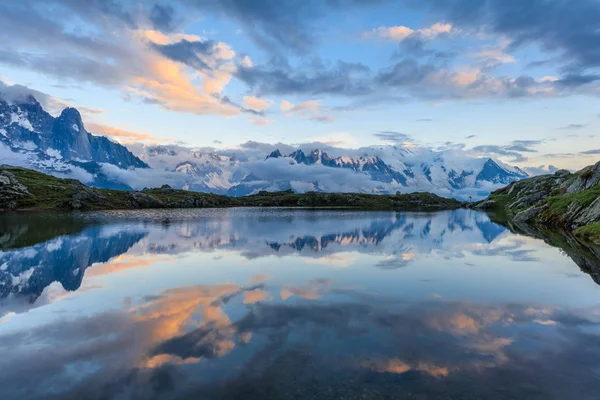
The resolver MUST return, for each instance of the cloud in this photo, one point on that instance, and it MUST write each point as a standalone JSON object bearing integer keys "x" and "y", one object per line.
{"x": 311, "y": 110}
{"x": 393, "y": 137}
{"x": 255, "y": 296}
{"x": 256, "y": 103}
{"x": 134, "y": 47}
{"x": 146, "y": 64}
{"x": 399, "y": 33}
{"x": 578, "y": 45}
{"x": 501, "y": 151}
{"x": 405, "y": 73}
{"x": 572, "y": 126}
{"x": 310, "y": 290}
{"x": 260, "y": 121}
{"x": 347, "y": 79}
{"x": 525, "y": 146}
{"x": 279, "y": 27}
{"x": 541, "y": 170}
{"x": 162, "y": 17}
{"x": 333, "y": 179}
{"x": 512, "y": 150}
{"x": 591, "y": 152}
{"x": 492, "y": 56}
{"x": 122, "y": 135}
{"x": 335, "y": 140}
{"x": 574, "y": 80}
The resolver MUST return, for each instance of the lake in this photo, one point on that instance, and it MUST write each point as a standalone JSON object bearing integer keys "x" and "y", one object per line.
{"x": 292, "y": 304}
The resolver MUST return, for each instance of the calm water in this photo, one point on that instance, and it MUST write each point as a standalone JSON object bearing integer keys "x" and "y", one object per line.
{"x": 279, "y": 304}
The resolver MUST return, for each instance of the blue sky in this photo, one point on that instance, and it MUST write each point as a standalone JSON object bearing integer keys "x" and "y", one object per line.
{"x": 512, "y": 79}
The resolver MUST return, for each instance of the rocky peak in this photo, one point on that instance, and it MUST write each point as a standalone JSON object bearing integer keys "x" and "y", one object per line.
{"x": 275, "y": 154}
{"x": 298, "y": 156}
{"x": 70, "y": 114}
{"x": 71, "y": 119}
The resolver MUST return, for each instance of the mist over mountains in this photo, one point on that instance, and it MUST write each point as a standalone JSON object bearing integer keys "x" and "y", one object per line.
{"x": 61, "y": 146}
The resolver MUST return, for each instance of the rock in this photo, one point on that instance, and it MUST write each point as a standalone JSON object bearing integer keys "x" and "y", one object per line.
{"x": 588, "y": 177}
{"x": 76, "y": 204}
{"x": 528, "y": 215}
{"x": 487, "y": 204}
{"x": 11, "y": 190}
{"x": 589, "y": 215}
{"x": 143, "y": 200}
{"x": 530, "y": 200}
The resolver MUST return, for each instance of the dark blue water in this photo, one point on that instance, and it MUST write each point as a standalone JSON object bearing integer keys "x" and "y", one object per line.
{"x": 279, "y": 304}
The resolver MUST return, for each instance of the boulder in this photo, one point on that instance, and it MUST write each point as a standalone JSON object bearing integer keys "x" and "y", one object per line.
{"x": 144, "y": 200}
{"x": 11, "y": 190}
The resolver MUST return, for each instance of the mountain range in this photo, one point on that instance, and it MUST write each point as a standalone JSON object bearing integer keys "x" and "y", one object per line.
{"x": 61, "y": 146}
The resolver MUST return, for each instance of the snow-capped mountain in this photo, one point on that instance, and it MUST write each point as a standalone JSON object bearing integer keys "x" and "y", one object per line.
{"x": 204, "y": 170}
{"x": 31, "y": 137}
{"x": 393, "y": 169}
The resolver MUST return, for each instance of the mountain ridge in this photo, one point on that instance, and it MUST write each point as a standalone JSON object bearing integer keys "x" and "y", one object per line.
{"x": 32, "y": 138}
{"x": 25, "y": 189}
{"x": 59, "y": 145}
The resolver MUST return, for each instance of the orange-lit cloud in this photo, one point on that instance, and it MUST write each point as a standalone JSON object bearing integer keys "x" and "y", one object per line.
{"x": 174, "y": 312}
{"x": 174, "y": 86}
{"x": 255, "y": 103}
{"x": 311, "y": 110}
{"x": 255, "y": 296}
{"x": 311, "y": 290}
{"x": 399, "y": 33}
{"x": 260, "y": 121}
{"x": 397, "y": 366}
{"x": 122, "y": 135}
{"x": 259, "y": 278}
{"x": 124, "y": 262}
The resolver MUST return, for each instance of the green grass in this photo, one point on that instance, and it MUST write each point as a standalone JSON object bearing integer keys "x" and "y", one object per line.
{"x": 583, "y": 199}
{"x": 48, "y": 192}
{"x": 589, "y": 232}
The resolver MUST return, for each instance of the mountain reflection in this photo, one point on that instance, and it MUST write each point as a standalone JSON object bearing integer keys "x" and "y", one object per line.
{"x": 398, "y": 237}
{"x": 26, "y": 272}
{"x": 314, "y": 234}
{"x": 271, "y": 304}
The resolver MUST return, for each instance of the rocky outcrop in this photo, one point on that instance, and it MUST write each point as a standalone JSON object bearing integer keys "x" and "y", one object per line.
{"x": 11, "y": 190}
{"x": 563, "y": 200}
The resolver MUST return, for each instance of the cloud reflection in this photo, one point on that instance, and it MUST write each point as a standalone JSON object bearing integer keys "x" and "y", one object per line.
{"x": 138, "y": 350}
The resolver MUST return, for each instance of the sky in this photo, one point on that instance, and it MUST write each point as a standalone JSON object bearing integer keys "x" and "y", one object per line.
{"x": 518, "y": 80}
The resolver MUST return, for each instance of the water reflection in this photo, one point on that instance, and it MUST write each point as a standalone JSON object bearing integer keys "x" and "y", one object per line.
{"x": 400, "y": 238}
{"x": 27, "y": 272}
{"x": 260, "y": 304}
